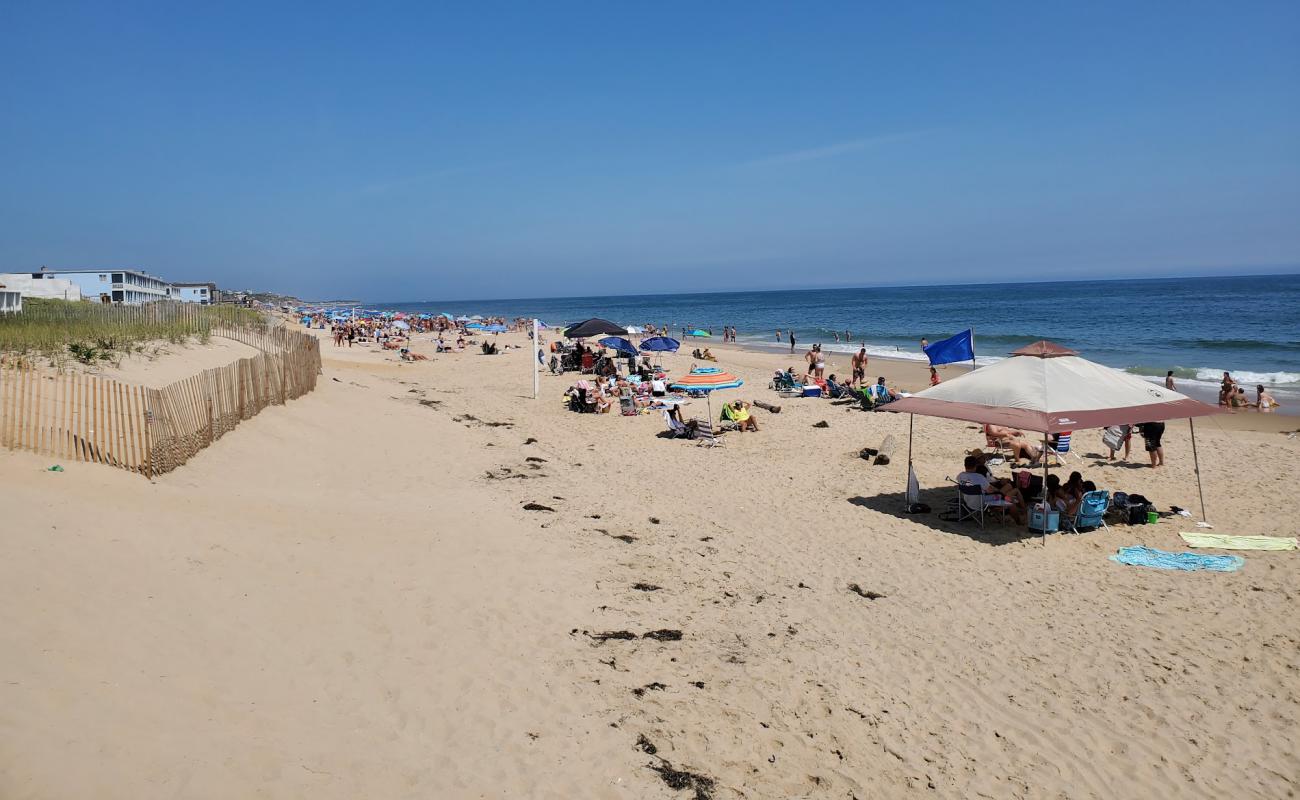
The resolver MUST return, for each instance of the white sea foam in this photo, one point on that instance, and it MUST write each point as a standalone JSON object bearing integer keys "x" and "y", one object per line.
{"x": 1245, "y": 377}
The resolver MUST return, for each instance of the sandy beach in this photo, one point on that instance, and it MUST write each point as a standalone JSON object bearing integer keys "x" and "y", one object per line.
{"x": 357, "y": 595}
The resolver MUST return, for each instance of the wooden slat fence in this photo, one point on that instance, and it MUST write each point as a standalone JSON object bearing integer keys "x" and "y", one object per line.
{"x": 76, "y": 417}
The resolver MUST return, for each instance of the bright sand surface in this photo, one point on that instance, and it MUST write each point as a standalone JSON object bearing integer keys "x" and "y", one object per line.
{"x": 345, "y": 598}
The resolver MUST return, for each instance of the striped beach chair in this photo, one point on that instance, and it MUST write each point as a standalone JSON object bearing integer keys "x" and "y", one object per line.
{"x": 1061, "y": 446}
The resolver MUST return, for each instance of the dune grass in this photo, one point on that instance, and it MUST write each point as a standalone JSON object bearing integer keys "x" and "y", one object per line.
{"x": 88, "y": 332}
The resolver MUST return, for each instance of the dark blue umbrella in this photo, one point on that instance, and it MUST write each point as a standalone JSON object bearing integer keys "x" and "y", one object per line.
{"x": 660, "y": 344}
{"x": 621, "y": 345}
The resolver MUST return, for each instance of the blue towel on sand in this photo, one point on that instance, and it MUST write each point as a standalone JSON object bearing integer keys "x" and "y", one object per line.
{"x": 1187, "y": 562}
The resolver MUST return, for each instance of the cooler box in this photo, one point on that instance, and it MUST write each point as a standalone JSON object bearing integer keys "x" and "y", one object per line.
{"x": 1043, "y": 521}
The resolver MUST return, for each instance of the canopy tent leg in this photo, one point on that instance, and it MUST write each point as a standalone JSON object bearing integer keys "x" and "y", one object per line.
{"x": 1047, "y": 508}
{"x": 907, "y": 479}
{"x": 1196, "y": 465}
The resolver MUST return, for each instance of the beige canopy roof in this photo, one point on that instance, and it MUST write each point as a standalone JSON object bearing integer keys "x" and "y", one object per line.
{"x": 1047, "y": 388}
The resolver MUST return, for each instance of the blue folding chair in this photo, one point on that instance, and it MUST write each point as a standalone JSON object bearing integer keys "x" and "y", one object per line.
{"x": 1092, "y": 511}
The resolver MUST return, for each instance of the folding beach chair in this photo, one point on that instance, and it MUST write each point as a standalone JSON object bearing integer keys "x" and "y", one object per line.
{"x": 1060, "y": 446}
{"x": 1091, "y": 513}
{"x": 785, "y": 385}
{"x": 679, "y": 430}
{"x": 974, "y": 504}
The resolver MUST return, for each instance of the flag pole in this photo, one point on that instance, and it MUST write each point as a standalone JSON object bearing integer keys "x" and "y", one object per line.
{"x": 537, "y": 355}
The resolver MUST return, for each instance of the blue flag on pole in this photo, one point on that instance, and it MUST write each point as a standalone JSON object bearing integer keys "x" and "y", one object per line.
{"x": 953, "y": 349}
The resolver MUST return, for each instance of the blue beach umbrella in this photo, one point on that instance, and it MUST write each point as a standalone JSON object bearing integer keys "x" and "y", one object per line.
{"x": 620, "y": 345}
{"x": 660, "y": 344}
{"x": 495, "y": 328}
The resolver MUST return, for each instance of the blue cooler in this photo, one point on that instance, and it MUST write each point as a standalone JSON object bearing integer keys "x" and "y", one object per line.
{"x": 1041, "y": 520}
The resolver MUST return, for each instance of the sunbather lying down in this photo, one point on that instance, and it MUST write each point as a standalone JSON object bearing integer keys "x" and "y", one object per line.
{"x": 1012, "y": 439}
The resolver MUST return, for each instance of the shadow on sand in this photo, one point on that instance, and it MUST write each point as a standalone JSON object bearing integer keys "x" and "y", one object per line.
{"x": 995, "y": 532}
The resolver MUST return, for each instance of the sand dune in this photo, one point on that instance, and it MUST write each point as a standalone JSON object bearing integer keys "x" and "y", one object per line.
{"x": 346, "y": 597}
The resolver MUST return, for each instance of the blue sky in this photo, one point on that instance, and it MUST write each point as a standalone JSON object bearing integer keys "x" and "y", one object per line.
{"x": 389, "y": 151}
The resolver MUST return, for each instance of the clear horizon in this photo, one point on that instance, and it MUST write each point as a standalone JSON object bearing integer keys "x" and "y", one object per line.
{"x": 1280, "y": 272}
{"x": 576, "y": 149}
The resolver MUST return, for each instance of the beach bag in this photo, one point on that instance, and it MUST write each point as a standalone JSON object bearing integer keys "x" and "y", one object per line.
{"x": 1114, "y": 436}
{"x": 1138, "y": 515}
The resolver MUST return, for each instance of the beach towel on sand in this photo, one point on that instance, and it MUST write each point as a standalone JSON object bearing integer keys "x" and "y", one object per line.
{"x": 1186, "y": 562}
{"x": 1225, "y": 542}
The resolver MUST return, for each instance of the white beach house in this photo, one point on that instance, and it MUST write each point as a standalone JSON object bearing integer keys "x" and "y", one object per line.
{"x": 24, "y": 284}
{"x": 205, "y": 293}
{"x": 126, "y": 286}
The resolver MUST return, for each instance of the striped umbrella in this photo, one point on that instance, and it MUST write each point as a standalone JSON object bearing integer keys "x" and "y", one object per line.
{"x": 707, "y": 380}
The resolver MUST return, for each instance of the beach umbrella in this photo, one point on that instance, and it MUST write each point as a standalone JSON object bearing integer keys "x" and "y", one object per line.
{"x": 476, "y": 317}
{"x": 463, "y": 319}
{"x": 660, "y": 344}
{"x": 447, "y": 316}
{"x": 700, "y": 333}
{"x": 474, "y": 326}
{"x": 619, "y": 345}
{"x": 401, "y": 325}
{"x": 495, "y": 328}
{"x": 594, "y": 327}
{"x": 1047, "y": 388}
{"x": 707, "y": 380}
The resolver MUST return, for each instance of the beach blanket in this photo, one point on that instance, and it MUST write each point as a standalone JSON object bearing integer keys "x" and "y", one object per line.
{"x": 1186, "y": 562}
{"x": 1226, "y": 542}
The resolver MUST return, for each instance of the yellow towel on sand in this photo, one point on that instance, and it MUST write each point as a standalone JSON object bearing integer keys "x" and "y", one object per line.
{"x": 1225, "y": 542}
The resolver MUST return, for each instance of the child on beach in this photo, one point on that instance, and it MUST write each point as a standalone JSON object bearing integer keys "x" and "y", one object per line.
{"x": 934, "y": 377}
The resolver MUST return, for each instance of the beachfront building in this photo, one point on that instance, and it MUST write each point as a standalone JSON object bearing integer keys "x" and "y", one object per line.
{"x": 10, "y": 302}
{"x": 205, "y": 293}
{"x": 127, "y": 286}
{"x": 54, "y": 288}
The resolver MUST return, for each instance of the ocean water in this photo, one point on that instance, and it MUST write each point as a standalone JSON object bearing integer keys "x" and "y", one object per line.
{"x": 1197, "y": 327}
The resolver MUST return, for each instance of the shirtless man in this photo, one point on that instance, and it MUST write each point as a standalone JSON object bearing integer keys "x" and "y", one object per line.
{"x": 859, "y": 364}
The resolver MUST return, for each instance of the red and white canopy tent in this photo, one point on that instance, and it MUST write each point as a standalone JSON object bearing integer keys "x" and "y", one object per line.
{"x": 1047, "y": 388}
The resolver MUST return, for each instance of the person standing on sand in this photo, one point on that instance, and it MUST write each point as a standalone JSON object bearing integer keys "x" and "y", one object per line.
{"x": 859, "y": 364}
{"x": 791, "y": 340}
{"x": 1169, "y": 380}
{"x": 1151, "y": 434}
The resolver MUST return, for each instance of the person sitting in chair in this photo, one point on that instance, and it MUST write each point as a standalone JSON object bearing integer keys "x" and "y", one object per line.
{"x": 974, "y": 473}
{"x": 738, "y": 412}
{"x": 880, "y": 393}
